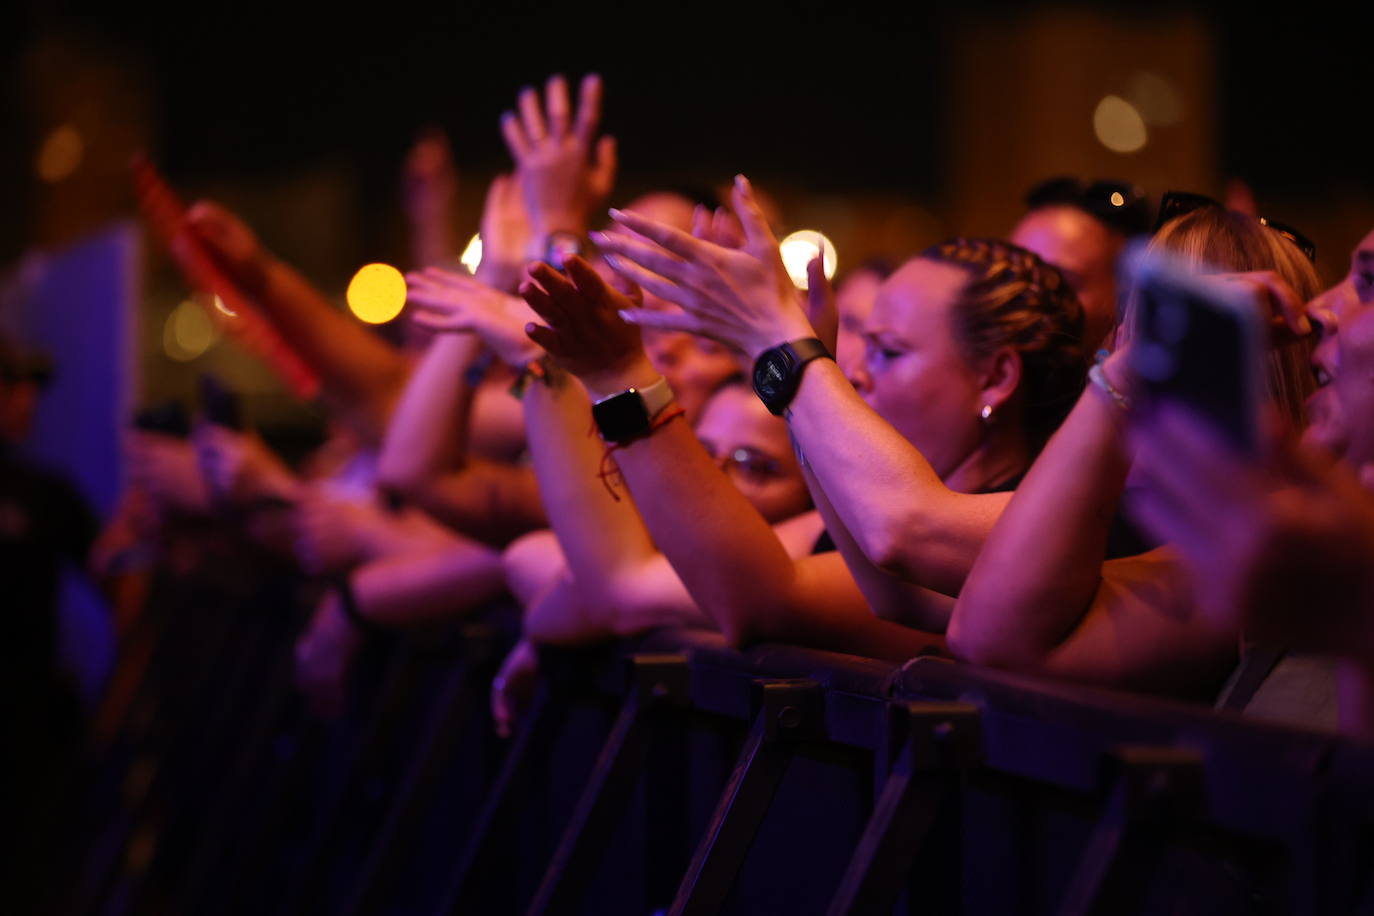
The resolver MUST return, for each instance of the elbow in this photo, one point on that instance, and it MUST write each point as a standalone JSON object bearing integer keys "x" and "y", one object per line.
{"x": 990, "y": 644}
{"x": 393, "y": 477}
{"x": 747, "y": 624}
{"x": 887, "y": 544}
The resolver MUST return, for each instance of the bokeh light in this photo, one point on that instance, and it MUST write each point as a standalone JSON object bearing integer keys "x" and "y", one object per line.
{"x": 1154, "y": 98}
{"x": 188, "y": 332}
{"x": 377, "y": 293}
{"x": 60, "y": 154}
{"x": 800, "y": 248}
{"x": 1119, "y": 126}
{"x": 224, "y": 309}
{"x": 472, "y": 255}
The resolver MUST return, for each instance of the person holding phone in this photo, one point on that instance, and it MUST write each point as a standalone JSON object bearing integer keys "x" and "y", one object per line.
{"x": 1280, "y": 543}
{"x": 1042, "y": 597}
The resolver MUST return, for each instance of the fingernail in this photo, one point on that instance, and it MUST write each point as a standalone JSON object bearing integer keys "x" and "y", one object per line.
{"x": 741, "y": 182}
{"x": 613, "y": 261}
{"x": 530, "y": 326}
{"x": 627, "y": 316}
{"x": 597, "y": 236}
{"x": 615, "y": 214}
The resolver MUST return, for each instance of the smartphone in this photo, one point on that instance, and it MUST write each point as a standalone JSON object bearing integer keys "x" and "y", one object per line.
{"x": 219, "y": 405}
{"x": 1198, "y": 344}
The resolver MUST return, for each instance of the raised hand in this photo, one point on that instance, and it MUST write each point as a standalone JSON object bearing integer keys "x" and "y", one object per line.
{"x": 451, "y": 301}
{"x": 513, "y": 687}
{"x": 821, "y": 308}
{"x": 583, "y": 330}
{"x": 506, "y": 234}
{"x": 1277, "y": 302}
{"x": 1282, "y": 547}
{"x": 429, "y": 182}
{"x": 229, "y": 239}
{"x": 429, "y": 187}
{"x": 564, "y": 171}
{"x": 741, "y": 297}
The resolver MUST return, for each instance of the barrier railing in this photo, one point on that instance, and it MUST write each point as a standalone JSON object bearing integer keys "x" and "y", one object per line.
{"x": 673, "y": 774}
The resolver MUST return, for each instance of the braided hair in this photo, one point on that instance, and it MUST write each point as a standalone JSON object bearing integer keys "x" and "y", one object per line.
{"x": 1014, "y": 299}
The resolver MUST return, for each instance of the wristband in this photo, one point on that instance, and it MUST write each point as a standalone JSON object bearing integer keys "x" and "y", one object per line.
{"x": 1098, "y": 376}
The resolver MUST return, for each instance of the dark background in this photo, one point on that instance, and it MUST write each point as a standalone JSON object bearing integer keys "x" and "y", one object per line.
{"x": 841, "y": 96}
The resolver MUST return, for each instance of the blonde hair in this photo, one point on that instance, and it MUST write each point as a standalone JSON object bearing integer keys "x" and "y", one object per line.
{"x": 1216, "y": 240}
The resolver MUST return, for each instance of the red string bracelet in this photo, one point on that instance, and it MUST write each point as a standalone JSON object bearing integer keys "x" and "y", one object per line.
{"x": 608, "y": 467}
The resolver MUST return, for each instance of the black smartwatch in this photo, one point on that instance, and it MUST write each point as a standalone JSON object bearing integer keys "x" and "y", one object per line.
{"x": 777, "y": 372}
{"x": 629, "y": 415}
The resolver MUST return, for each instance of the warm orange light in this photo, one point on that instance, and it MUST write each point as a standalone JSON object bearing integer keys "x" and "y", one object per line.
{"x": 800, "y": 248}
{"x": 60, "y": 155}
{"x": 377, "y": 293}
{"x": 188, "y": 332}
{"x": 1118, "y": 125}
{"x": 472, "y": 255}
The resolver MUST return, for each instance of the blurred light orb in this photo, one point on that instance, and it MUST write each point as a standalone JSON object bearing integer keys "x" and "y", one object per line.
{"x": 188, "y": 332}
{"x": 60, "y": 154}
{"x": 1154, "y": 98}
{"x": 377, "y": 293}
{"x": 1118, "y": 199}
{"x": 472, "y": 255}
{"x": 224, "y": 309}
{"x": 800, "y": 248}
{"x": 1118, "y": 125}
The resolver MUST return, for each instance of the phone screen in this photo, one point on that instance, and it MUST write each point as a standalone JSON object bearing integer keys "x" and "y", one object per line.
{"x": 1199, "y": 346}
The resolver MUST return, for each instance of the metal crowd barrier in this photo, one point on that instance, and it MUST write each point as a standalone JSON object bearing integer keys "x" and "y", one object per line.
{"x": 673, "y": 774}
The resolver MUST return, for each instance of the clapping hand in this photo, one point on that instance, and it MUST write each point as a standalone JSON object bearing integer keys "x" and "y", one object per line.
{"x": 505, "y": 234}
{"x": 451, "y": 301}
{"x": 583, "y": 330}
{"x": 742, "y": 297}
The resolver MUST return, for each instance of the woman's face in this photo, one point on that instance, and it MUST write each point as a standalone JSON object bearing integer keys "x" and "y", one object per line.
{"x": 914, "y": 373}
{"x": 1340, "y": 408}
{"x": 752, "y": 446}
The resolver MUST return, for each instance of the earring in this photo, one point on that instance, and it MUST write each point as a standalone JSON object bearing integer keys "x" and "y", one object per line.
{"x": 986, "y": 413}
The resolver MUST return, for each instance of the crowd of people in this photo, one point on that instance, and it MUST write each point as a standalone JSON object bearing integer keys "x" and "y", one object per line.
{"x": 633, "y": 418}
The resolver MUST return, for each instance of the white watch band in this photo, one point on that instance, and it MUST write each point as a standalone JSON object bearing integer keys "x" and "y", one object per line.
{"x": 656, "y": 397}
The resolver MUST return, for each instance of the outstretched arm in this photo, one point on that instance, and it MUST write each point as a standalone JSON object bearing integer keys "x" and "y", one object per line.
{"x": 730, "y": 560}
{"x": 900, "y": 513}
{"x": 361, "y": 375}
{"x": 424, "y": 456}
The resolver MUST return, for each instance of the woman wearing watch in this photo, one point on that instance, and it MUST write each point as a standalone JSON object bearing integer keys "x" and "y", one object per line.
{"x": 973, "y": 353}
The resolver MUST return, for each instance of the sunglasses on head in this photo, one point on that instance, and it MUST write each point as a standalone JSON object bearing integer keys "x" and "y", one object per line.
{"x": 753, "y": 464}
{"x": 1180, "y": 203}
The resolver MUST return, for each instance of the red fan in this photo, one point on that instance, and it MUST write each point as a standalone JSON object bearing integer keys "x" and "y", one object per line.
{"x": 167, "y": 215}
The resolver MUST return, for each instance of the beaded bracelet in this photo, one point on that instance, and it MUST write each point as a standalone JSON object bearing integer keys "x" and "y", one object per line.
{"x": 1098, "y": 376}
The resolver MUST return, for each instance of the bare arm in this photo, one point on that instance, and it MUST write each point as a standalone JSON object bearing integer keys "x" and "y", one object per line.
{"x": 429, "y": 426}
{"x": 436, "y": 583}
{"x": 1041, "y": 568}
{"x": 889, "y": 597}
{"x": 730, "y": 560}
{"x": 424, "y": 456}
{"x": 361, "y": 374}
{"x": 901, "y": 515}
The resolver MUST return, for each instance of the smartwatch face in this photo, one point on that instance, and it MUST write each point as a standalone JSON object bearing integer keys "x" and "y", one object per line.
{"x": 771, "y": 376}
{"x": 621, "y": 417}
